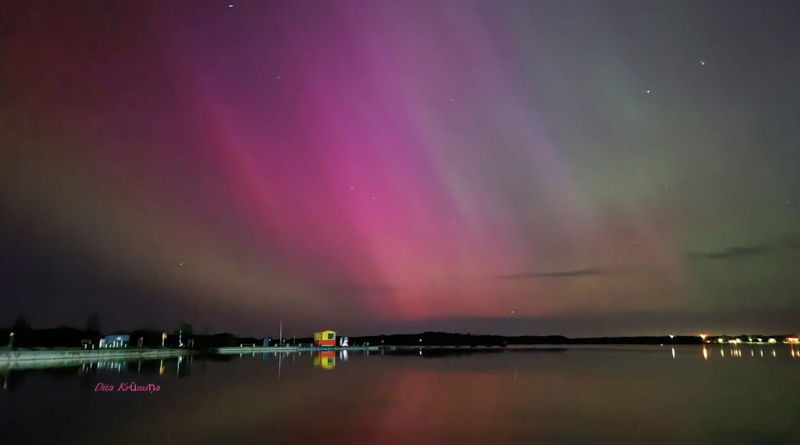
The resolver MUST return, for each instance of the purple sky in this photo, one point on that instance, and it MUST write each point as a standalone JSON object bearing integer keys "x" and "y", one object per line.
{"x": 548, "y": 167}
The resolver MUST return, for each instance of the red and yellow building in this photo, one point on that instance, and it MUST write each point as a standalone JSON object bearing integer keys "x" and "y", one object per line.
{"x": 325, "y": 338}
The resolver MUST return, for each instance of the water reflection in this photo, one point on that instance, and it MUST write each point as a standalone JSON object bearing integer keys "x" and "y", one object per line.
{"x": 13, "y": 374}
{"x": 325, "y": 359}
{"x": 738, "y": 353}
{"x": 571, "y": 395}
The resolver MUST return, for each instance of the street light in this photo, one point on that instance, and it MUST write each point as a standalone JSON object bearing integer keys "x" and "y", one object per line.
{"x": 11, "y": 341}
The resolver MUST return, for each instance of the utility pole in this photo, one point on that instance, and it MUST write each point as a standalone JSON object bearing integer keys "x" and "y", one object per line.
{"x": 11, "y": 341}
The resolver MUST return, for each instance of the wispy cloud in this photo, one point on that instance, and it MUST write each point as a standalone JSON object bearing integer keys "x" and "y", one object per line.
{"x": 731, "y": 253}
{"x": 565, "y": 274}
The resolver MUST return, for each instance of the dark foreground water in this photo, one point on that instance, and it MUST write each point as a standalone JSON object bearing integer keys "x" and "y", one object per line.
{"x": 651, "y": 395}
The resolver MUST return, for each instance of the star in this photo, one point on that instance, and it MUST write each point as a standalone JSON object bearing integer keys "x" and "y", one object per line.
{"x": 452, "y": 100}
{"x": 230, "y": 6}
{"x": 512, "y": 312}
{"x": 181, "y": 264}
{"x": 648, "y": 91}
{"x": 702, "y": 63}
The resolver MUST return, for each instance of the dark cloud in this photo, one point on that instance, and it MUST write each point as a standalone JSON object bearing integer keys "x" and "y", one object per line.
{"x": 732, "y": 252}
{"x": 565, "y": 274}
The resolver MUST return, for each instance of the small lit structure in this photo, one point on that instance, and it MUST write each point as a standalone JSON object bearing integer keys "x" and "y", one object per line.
{"x": 325, "y": 338}
{"x": 115, "y": 341}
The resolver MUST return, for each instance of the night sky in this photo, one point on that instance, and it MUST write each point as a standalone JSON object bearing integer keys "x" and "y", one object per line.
{"x": 512, "y": 167}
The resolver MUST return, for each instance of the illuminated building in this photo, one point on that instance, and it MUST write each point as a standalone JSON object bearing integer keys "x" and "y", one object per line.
{"x": 115, "y": 341}
{"x": 325, "y": 338}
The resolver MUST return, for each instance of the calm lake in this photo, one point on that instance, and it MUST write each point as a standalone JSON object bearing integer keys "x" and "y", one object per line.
{"x": 615, "y": 395}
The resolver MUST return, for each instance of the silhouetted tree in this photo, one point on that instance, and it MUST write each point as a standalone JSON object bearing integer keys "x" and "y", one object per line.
{"x": 23, "y": 333}
{"x": 21, "y": 326}
{"x": 93, "y": 323}
{"x": 185, "y": 329}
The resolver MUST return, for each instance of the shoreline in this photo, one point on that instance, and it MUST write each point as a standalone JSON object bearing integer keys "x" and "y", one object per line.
{"x": 83, "y": 354}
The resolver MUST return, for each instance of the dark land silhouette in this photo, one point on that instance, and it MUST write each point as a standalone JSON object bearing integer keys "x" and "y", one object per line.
{"x": 26, "y": 336}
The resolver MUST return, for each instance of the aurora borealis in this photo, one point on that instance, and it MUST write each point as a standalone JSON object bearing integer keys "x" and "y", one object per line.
{"x": 510, "y": 167}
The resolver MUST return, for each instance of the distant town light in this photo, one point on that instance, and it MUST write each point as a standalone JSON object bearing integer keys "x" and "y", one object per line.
{"x": 703, "y": 336}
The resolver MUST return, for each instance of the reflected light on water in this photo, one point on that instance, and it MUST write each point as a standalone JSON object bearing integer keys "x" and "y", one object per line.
{"x": 722, "y": 352}
{"x": 773, "y": 353}
{"x": 705, "y": 353}
{"x": 673, "y": 352}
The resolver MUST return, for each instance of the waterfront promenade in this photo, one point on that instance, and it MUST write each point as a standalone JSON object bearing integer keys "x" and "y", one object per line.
{"x": 17, "y": 355}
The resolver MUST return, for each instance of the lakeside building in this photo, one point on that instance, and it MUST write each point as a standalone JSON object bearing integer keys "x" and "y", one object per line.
{"x": 115, "y": 341}
{"x": 325, "y": 338}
